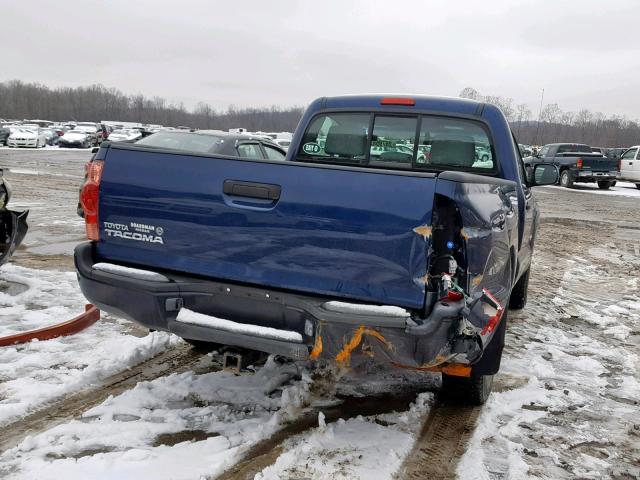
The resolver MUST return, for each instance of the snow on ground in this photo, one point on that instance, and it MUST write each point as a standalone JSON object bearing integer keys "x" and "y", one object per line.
{"x": 37, "y": 372}
{"x": 368, "y": 448}
{"x": 576, "y": 415}
{"x": 186, "y": 426}
{"x": 139, "y": 434}
{"x": 626, "y": 189}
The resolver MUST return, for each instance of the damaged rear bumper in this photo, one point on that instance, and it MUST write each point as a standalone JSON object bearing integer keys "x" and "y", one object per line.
{"x": 323, "y": 328}
{"x": 13, "y": 228}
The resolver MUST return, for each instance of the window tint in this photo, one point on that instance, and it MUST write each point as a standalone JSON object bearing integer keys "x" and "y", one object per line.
{"x": 392, "y": 141}
{"x": 273, "y": 154}
{"x": 630, "y": 154}
{"x": 442, "y": 142}
{"x": 191, "y": 142}
{"x": 336, "y": 138}
{"x": 249, "y": 150}
{"x": 450, "y": 142}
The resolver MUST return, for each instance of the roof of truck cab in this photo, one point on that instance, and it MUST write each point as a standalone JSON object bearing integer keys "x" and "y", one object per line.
{"x": 422, "y": 102}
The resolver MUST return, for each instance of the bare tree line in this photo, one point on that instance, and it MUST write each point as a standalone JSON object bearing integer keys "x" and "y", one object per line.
{"x": 556, "y": 125}
{"x": 20, "y": 100}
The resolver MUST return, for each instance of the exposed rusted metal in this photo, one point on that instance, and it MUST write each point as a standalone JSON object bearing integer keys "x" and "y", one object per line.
{"x": 453, "y": 369}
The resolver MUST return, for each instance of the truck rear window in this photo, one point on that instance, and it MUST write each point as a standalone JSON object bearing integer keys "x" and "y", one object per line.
{"x": 381, "y": 140}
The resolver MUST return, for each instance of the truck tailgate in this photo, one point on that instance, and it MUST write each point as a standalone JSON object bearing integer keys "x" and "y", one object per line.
{"x": 350, "y": 233}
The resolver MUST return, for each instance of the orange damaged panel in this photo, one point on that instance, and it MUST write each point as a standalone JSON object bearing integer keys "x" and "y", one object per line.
{"x": 453, "y": 369}
{"x": 345, "y": 354}
{"x": 317, "y": 348}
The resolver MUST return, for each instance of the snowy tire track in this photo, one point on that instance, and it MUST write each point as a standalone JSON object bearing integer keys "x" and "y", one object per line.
{"x": 441, "y": 443}
{"x": 179, "y": 359}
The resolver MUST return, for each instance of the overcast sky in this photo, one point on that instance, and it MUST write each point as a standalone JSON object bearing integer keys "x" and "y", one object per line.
{"x": 584, "y": 53}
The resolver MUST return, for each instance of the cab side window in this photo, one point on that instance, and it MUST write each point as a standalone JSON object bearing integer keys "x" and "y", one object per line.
{"x": 630, "y": 154}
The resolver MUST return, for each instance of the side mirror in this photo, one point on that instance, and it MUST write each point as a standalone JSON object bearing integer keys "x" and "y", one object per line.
{"x": 544, "y": 174}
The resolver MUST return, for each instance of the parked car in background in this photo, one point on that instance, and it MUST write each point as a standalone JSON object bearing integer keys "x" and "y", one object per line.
{"x": 4, "y": 135}
{"x": 630, "y": 166}
{"x": 51, "y": 135}
{"x": 27, "y": 137}
{"x": 577, "y": 164}
{"x": 614, "y": 152}
{"x": 93, "y": 131}
{"x": 75, "y": 138}
{"x": 216, "y": 142}
{"x": 125, "y": 135}
{"x": 525, "y": 150}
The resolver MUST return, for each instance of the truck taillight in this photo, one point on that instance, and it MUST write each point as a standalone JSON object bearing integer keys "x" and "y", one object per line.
{"x": 579, "y": 163}
{"x": 89, "y": 198}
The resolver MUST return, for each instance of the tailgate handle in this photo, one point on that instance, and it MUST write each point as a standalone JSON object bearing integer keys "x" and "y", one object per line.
{"x": 239, "y": 188}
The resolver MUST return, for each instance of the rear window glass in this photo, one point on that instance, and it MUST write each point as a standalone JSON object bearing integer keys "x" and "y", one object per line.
{"x": 397, "y": 142}
{"x": 191, "y": 142}
{"x": 574, "y": 148}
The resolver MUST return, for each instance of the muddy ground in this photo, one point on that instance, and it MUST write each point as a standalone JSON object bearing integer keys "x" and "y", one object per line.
{"x": 568, "y": 406}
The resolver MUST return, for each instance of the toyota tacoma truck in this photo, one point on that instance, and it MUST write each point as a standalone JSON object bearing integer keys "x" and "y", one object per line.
{"x": 334, "y": 253}
{"x": 577, "y": 163}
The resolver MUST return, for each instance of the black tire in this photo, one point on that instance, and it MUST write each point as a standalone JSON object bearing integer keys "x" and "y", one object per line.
{"x": 604, "y": 184}
{"x": 485, "y": 158}
{"x": 473, "y": 390}
{"x": 518, "y": 298}
{"x": 613, "y": 184}
{"x": 565, "y": 179}
{"x": 638, "y": 186}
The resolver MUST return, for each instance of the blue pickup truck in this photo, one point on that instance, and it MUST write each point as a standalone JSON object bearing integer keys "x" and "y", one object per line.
{"x": 382, "y": 236}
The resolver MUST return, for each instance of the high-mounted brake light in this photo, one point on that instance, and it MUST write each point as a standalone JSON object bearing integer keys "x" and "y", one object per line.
{"x": 579, "y": 163}
{"x": 409, "y": 102}
{"x": 89, "y": 198}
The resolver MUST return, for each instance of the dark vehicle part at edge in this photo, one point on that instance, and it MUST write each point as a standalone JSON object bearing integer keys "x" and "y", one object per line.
{"x": 13, "y": 225}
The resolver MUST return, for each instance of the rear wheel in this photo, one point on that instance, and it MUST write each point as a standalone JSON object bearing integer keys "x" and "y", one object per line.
{"x": 473, "y": 390}
{"x": 518, "y": 298}
{"x": 565, "y": 179}
{"x": 638, "y": 186}
{"x": 604, "y": 184}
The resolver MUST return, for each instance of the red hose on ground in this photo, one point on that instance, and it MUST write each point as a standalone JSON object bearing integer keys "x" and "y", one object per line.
{"x": 90, "y": 316}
